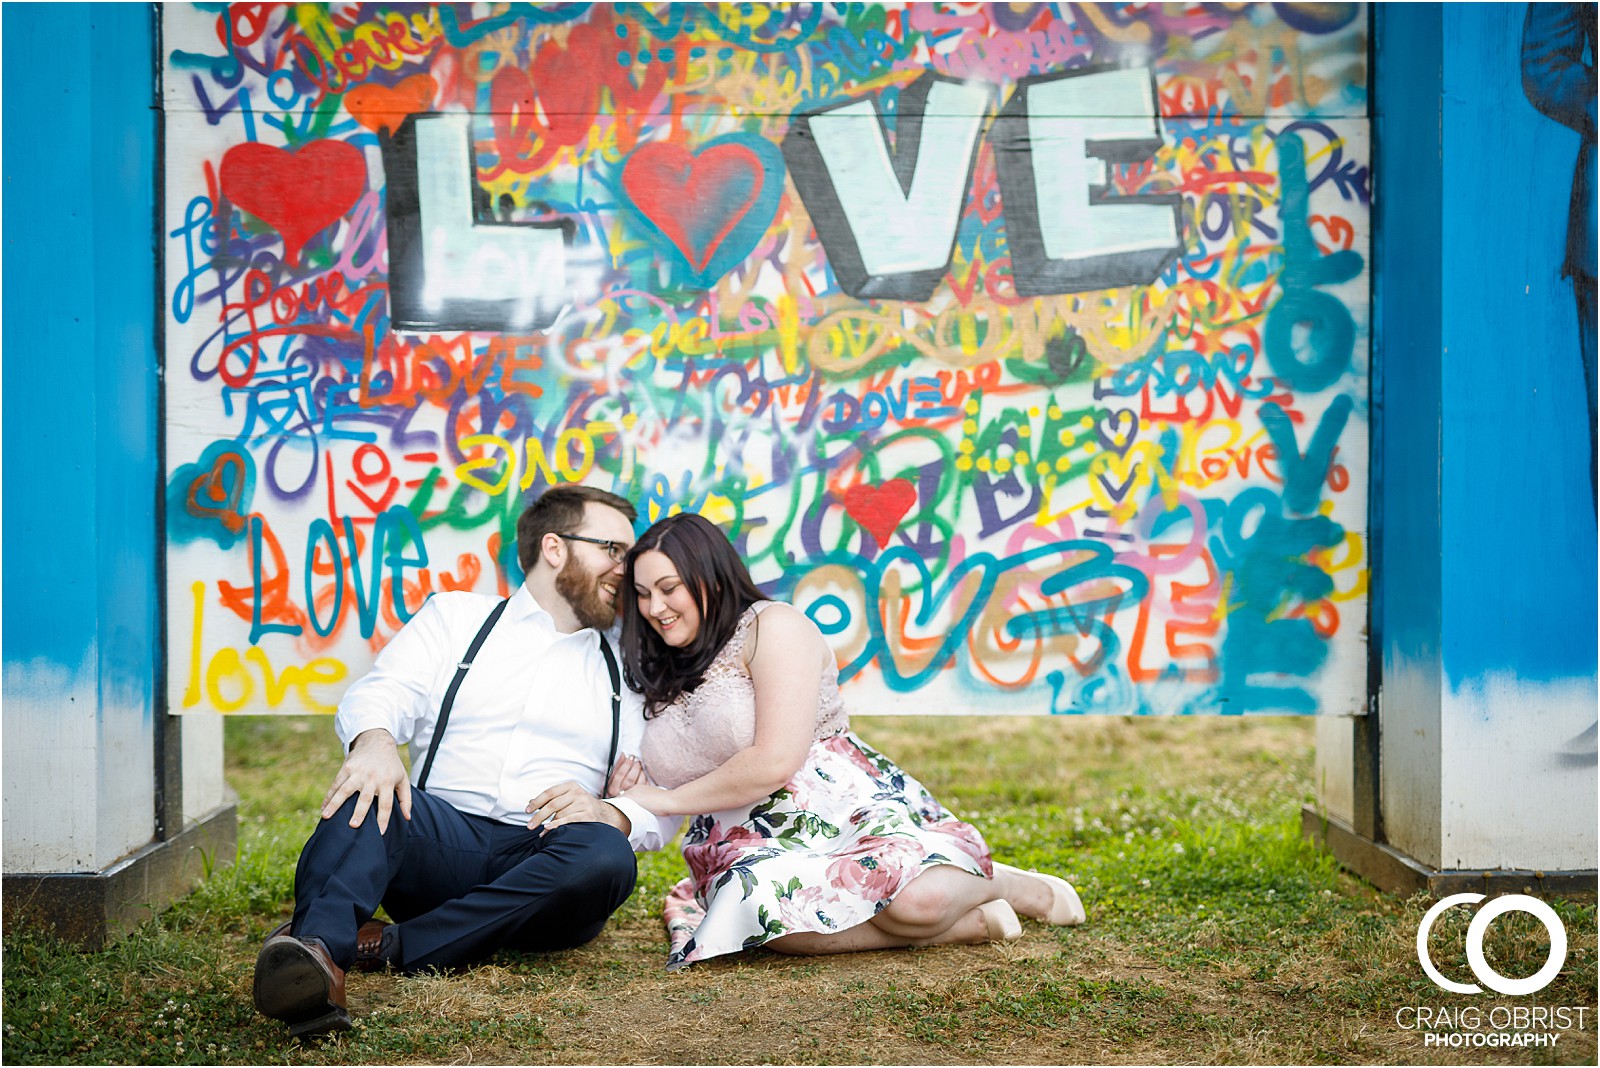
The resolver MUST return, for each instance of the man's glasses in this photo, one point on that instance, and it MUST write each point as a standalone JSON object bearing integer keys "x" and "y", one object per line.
{"x": 614, "y": 549}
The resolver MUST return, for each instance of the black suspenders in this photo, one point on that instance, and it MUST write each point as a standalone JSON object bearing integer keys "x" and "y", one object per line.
{"x": 616, "y": 709}
{"x": 455, "y": 684}
{"x": 461, "y": 673}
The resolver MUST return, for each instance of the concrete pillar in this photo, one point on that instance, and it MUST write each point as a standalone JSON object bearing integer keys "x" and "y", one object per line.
{"x": 1479, "y": 766}
{"x": 96, "y": 824}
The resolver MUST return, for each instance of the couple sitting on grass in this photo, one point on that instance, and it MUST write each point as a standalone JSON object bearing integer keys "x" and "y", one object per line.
{"x": 510, "y": 833}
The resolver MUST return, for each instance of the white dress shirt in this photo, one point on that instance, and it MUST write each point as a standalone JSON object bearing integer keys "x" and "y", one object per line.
{"x": 534, "y": 710}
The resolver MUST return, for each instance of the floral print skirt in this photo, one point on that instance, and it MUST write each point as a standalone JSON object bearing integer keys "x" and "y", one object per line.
{"x": 823, "y": 854}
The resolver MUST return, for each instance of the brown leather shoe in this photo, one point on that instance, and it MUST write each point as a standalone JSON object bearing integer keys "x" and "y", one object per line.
{"x": 369, "y": 948}
{"x": 297, "y": 982}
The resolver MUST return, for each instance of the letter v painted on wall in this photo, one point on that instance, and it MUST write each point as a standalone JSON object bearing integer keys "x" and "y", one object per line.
{"x": 888, "y": 220}
{"x": 1303, "y": 474}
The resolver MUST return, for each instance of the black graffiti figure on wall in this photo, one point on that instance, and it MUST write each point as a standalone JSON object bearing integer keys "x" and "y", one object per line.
{"x": 1558, "y": 77}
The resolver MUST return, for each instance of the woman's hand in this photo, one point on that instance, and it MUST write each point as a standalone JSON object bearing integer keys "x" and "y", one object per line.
{"x": 653, "y": 799}
{"x": 628, "y": 772}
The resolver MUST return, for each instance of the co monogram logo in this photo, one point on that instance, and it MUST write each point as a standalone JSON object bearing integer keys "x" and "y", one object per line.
{"x": 1475, "y": 932}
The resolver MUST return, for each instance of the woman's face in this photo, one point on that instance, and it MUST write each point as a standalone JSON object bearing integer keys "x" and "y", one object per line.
{"x": 666, "y": 603}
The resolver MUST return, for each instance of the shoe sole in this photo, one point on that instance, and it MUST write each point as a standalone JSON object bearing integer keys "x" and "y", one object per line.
{"x": 337, "y": 1020}
{"x": 292, "y": 987}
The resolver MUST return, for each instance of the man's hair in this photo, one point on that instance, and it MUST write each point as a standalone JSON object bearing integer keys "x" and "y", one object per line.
{"x": 559, "y": 510}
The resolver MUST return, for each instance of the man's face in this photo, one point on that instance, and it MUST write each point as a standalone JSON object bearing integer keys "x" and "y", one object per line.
{"x": 589, "y": 579}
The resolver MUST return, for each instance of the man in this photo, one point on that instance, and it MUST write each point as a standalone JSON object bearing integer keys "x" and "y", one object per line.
{"x": 502, "y": 841}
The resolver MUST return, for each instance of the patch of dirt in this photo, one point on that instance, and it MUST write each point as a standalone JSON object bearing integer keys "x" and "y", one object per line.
{"x": 612, "y": 1002}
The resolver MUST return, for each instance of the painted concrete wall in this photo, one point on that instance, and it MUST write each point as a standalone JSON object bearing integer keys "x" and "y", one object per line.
{"x": 1485, "y": 546}
{"x": 79, "y": 451}
{"x": 204, "y": 788}
{"x": 1518, "y": 709}
{"x": 833, "y": 276}
{"x": 1333, "y": 767}
{"x": 1407, "y": 301}
{"x": 1487, "y": 630}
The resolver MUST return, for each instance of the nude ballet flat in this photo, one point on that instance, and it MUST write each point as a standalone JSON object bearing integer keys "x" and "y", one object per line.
{"x": 1066, "y": 908}
{"x": 1000, "y": 921}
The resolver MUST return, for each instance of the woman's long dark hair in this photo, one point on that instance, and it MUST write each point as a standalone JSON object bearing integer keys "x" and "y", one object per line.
{"x": 721, "y": 587}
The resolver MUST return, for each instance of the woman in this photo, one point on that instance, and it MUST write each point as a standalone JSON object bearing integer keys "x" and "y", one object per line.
{"x": 804, "y": 838}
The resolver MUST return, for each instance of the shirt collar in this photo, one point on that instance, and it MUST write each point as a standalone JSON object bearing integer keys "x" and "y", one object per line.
{"x": 524, "y": 605}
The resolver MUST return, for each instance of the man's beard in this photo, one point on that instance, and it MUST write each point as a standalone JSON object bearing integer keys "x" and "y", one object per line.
{"x": 581, "y": 591}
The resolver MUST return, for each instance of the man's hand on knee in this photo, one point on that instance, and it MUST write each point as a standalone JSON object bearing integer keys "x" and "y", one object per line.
{"x": 568, "y": 802}
{"x": 373, "y": 774}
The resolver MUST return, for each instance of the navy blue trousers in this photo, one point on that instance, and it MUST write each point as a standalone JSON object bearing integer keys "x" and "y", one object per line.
{"x": 460, "y": 887}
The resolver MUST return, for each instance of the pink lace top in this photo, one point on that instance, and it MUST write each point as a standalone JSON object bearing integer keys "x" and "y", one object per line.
{"x": 699, "y": 731}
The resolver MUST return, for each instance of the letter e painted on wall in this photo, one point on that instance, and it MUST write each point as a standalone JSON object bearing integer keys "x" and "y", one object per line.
{"x": 1051, "y": 143}
{"x": 450, "y": 266}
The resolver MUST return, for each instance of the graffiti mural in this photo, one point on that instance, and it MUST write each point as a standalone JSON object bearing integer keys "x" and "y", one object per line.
{"x": 1024, "y": 346}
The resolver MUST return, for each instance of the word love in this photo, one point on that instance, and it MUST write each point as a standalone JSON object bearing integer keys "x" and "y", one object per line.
{"x": 886, "y": 216}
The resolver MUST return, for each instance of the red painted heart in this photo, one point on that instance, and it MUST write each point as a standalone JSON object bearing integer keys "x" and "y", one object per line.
{"x": 218, "y": 493}
{"x": 378, "y": 107}
{"x": 879, "y": 509}
{"x": 695, "y": 200}
{"x": 296, "y": 193}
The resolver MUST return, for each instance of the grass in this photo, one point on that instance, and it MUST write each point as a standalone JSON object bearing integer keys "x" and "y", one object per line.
{"x": 1216, "y": 935}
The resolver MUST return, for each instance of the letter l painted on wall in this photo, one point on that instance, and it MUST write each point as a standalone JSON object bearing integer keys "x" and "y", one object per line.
{"x": 451, "y": 266}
